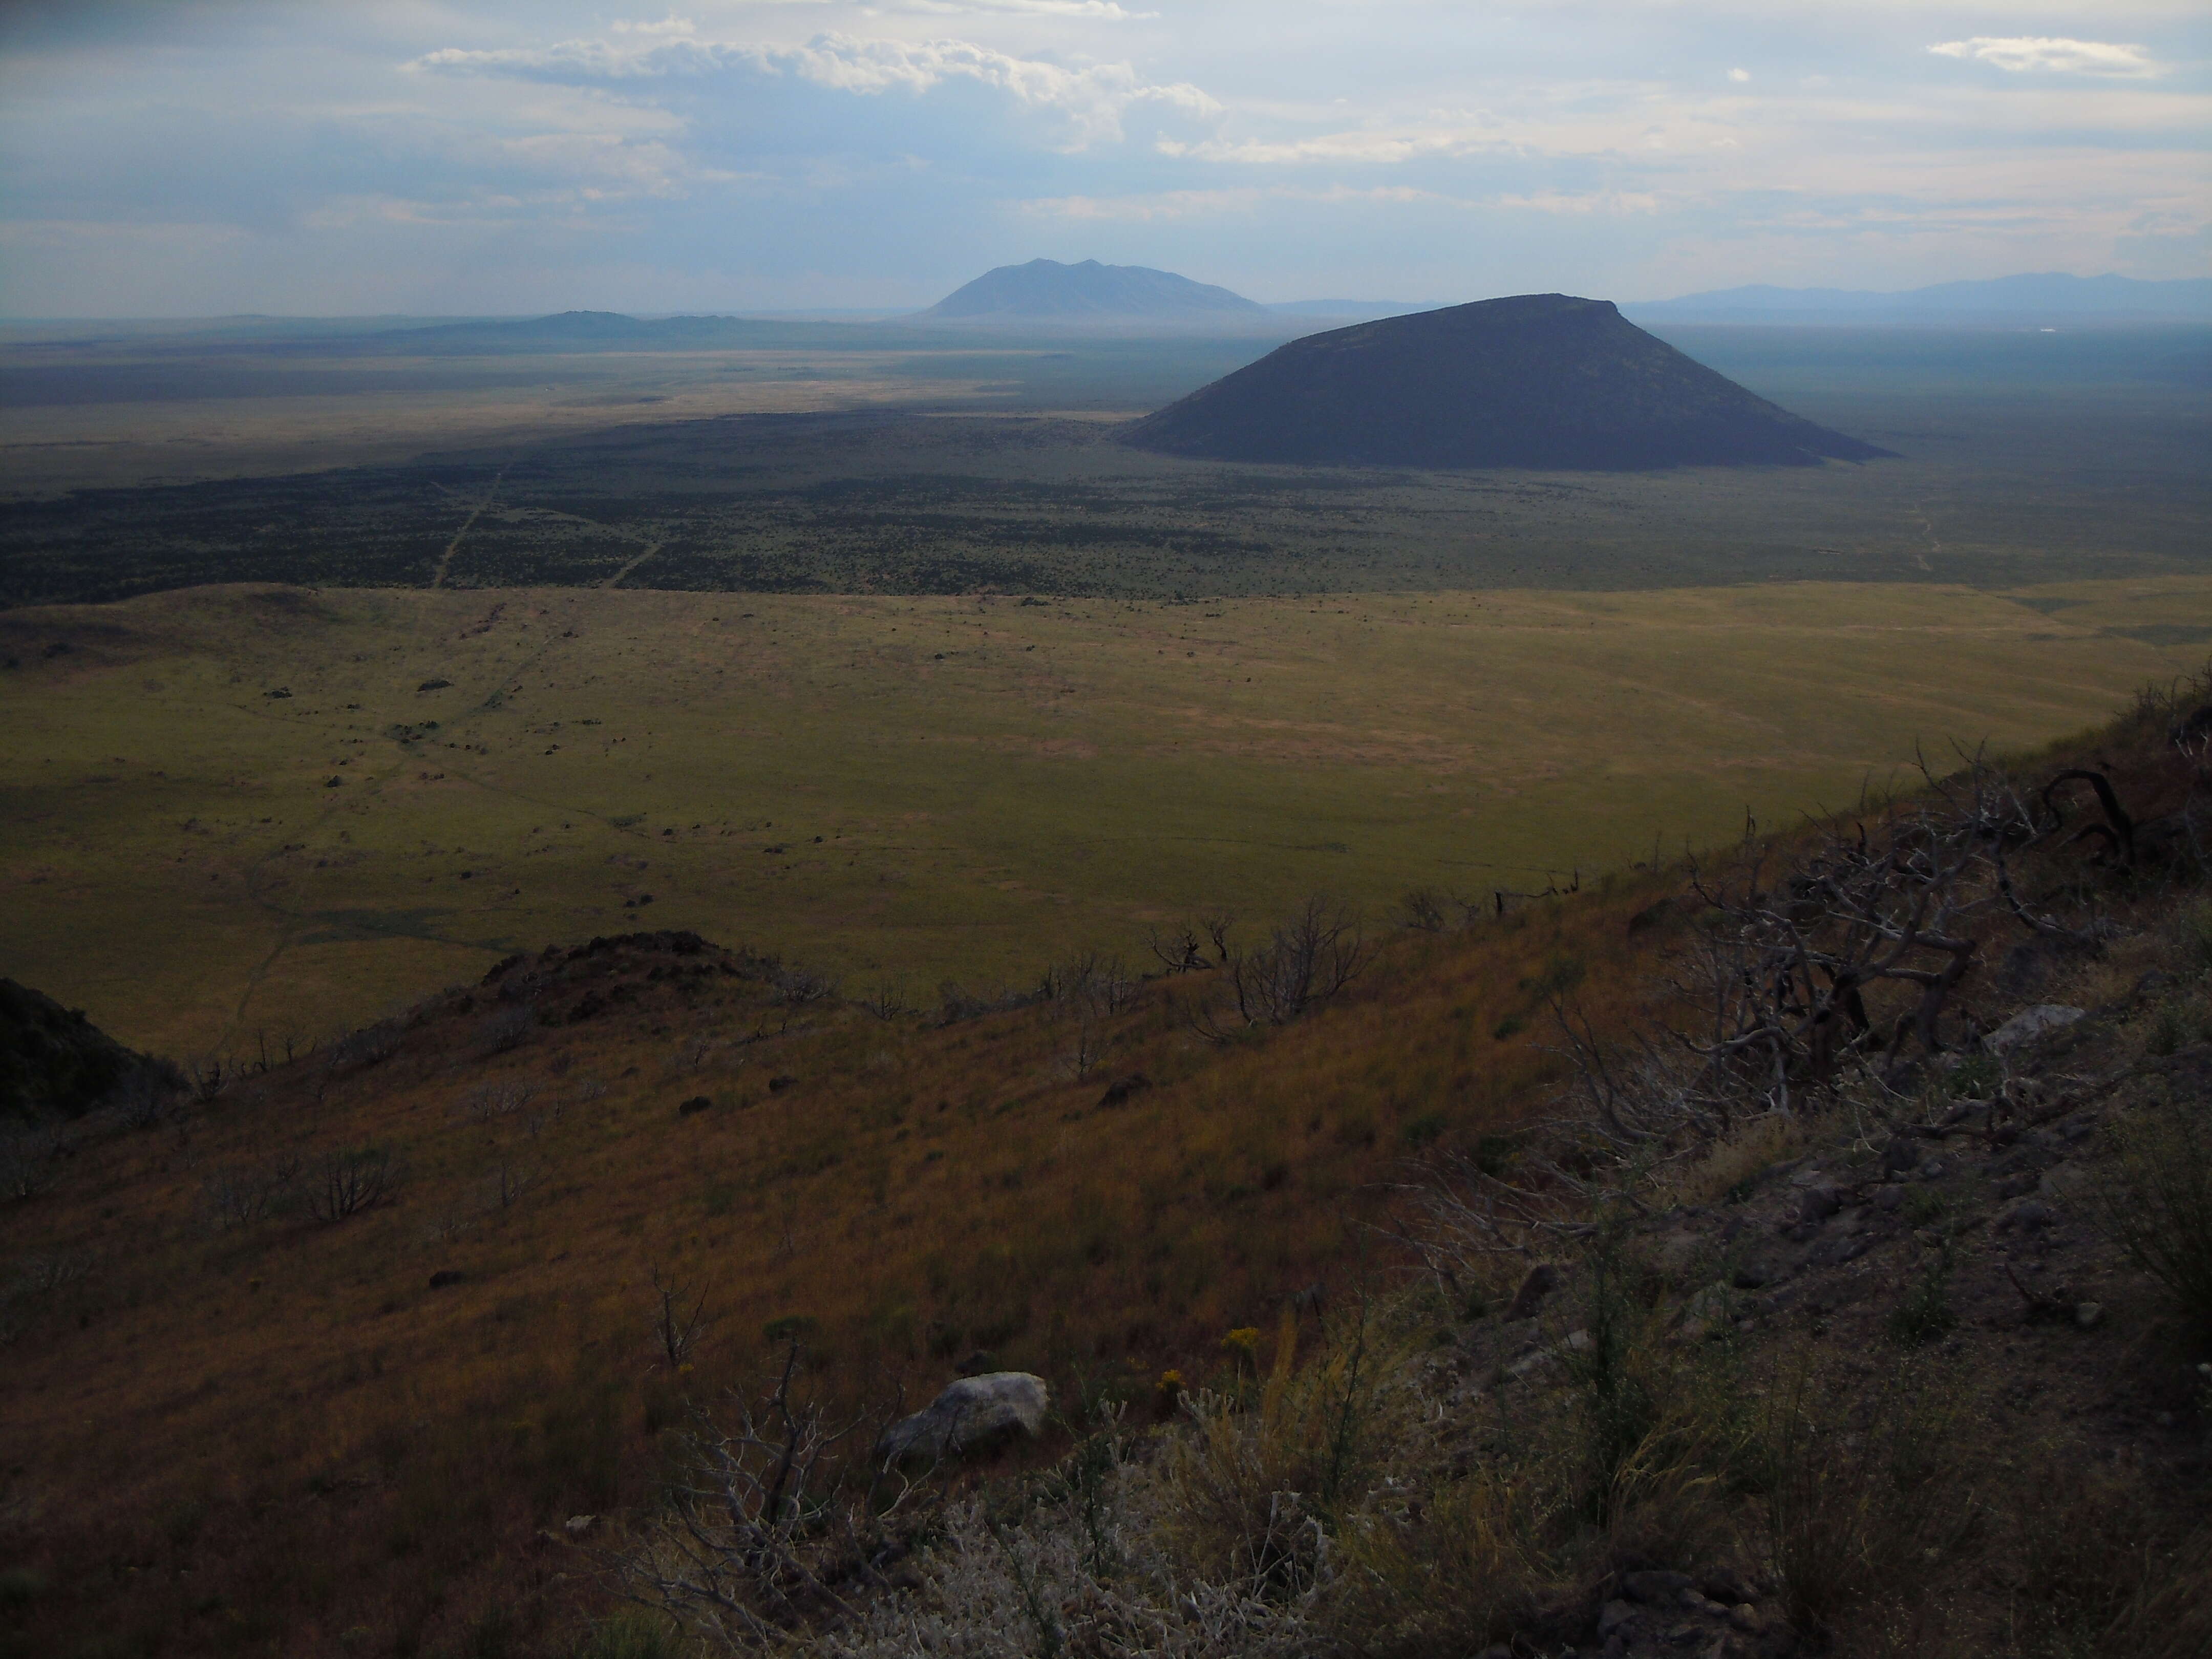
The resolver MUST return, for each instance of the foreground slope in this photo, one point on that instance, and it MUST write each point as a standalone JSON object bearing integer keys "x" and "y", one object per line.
{"x": 423, "y": 1298}
{"x": 1540, "y": 381}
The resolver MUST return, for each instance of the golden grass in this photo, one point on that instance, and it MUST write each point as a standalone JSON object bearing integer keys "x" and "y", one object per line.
{"x": 342, "y": 1446}
{"x": 992, "y": 783}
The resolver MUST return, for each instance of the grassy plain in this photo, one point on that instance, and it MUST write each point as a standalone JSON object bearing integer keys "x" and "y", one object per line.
{"x": 139, "y": 409}
{"x": 890, "y": 461}
{"x": 236, "y": 812}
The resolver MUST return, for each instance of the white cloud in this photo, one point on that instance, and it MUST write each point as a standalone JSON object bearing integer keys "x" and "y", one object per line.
{"x": 1377, "y": 149}
{"x": 1105, "y": 10}
{"x": 2021, "y": 52}
{"x": 1092, "y": 100}
{"x": 1171, "y": 204}
{"x": 1739, "y": 76}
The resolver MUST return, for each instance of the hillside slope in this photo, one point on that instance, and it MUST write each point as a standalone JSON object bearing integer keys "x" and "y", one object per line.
{"x": 424, "y": 1297}
{"x": 1540, "y": 381}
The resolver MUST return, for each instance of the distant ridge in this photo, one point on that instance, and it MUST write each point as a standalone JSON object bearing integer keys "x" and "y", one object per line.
{"x": 1046, "y": 290}
{"x": 584, "y": 330}
{"x": 2047, "y": 298}
{"x": 1540, "y": 381}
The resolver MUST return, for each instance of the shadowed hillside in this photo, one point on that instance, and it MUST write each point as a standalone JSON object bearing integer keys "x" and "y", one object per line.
{"x": 1542, "y": 380}
{"x": 1861, "y": 1319}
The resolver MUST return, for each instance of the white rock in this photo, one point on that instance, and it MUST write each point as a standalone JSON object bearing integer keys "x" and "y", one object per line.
{"x": 969, "y": 1413}
{"x": 2029, "y": 1024}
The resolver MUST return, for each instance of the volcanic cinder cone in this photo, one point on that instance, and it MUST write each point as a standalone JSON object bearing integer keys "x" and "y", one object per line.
{"x": 1540, "y": 381}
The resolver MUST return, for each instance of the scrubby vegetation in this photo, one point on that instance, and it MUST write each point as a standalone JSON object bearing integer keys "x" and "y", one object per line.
{"x": 1741, "y": 1297}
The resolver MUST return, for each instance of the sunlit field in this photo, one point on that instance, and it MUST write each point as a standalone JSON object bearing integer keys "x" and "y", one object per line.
{"x": 231, "y": 818}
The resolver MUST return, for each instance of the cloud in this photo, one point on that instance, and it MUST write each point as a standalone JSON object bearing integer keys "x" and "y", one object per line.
{"x": 1208, "y": 205}
{"x": 1380, "y": 149}
{"x": 1105, "y": 10}
{"x": 2021, "y": 52}
{"x": 1205, "y": 204}
{"x": 1092, "y": 100}
{"x": 1739, "y": 76}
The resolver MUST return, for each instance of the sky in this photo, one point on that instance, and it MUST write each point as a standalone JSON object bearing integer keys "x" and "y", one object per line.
{"x": 208, "y": 157}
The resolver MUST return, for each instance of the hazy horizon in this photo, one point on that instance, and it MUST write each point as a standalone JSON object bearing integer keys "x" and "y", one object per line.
{"x": 229, "y": 157}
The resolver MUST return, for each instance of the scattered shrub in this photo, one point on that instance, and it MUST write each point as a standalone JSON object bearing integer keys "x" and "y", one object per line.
{"x": 344, "y": 1183}
{"x": 2157, "y": 1205}
{"x": 631, "y": 1635}
{"x": 1424, "y": 909}
{"x": 1924, "y": 1315}
{"x": 1855, "y": 1508}
{"x": 1256, "y": 1494}
{"x": 1424, "y": 1129}
{"x": 242, "y": 1194}
{"x": 506, "y": 1027}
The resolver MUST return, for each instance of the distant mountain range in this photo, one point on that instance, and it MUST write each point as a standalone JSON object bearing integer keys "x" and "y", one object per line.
{"x": 2049, "y": 298}
{"x": 1046, "y": 290}
{"x": 1545, "y": 381}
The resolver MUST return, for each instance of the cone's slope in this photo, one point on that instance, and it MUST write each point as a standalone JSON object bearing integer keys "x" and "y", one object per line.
{"x": 1540, "y": 381}
{"x": 1045, "y": 288}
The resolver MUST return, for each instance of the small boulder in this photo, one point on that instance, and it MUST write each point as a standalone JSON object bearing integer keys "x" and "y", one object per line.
{"x": 446, "y": 1276}
{"x": 2031, "y": 1025}
{"x": 1612, "y": 1616}
{"x": 696, "y": 1103}
{"x": 2029, "y": 1213}
{"x": 2089, "y": 1315}
{"x": 577, "y": 1525}
{"x": 1819, "y": 1203}
{"x": 971, "y": 1413}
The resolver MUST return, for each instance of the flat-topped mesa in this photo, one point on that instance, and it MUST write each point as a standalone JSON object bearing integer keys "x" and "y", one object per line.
{"x": 1542, "y": 380}
{"x": 1046, "y": 290}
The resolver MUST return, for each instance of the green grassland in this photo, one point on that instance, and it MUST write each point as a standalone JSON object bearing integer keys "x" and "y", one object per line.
{"x": 243, "y": 812}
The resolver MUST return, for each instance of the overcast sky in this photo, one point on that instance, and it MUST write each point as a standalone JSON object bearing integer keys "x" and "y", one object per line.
{"x": 176, "y": 158}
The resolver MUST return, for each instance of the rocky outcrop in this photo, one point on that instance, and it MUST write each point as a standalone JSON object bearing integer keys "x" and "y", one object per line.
{"x": 976, "y": 1411}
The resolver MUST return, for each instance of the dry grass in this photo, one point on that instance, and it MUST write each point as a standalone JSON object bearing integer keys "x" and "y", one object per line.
{"x": 1755, "y": 1146}
{"x": 355, "y": 1450}
{"x": 349, "y": 1459}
